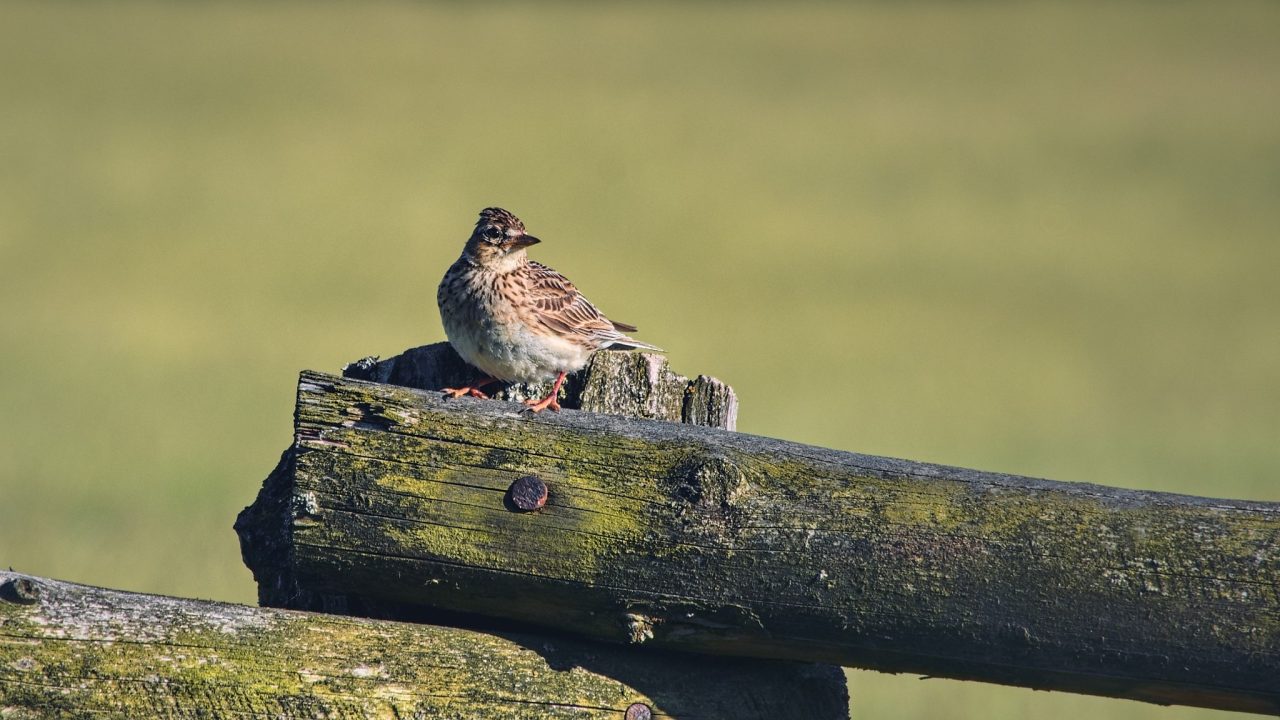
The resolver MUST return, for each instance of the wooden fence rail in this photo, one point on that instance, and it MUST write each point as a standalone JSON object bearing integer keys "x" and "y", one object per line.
{"x": 74, "y": 651}
{"x": 392, "y": 500}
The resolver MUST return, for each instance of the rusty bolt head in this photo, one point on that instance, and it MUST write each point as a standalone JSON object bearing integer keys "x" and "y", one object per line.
{"x": 528, "y": 493}
{"x": 638, "y": 711}
{"x": 23, "y": 591}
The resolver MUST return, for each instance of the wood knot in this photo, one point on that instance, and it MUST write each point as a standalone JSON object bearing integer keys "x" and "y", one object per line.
{"x": 22, "y": 591}
{"x": 368, "y": 416}
{"x": 711, "y": 483}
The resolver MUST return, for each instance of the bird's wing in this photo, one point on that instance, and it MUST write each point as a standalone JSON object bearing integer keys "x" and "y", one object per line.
{"x": 559, "y": 307}
{"x": 624, "y": 327}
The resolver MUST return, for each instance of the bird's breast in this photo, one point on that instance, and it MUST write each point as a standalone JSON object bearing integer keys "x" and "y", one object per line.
{"x": 481, "y": 314}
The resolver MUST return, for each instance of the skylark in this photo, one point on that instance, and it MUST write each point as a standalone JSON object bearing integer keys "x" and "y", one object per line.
{"x": 515, "y": 319}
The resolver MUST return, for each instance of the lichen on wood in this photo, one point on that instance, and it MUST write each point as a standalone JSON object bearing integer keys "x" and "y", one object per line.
{"x": 69, "y": 651}
{"x": 692, "y": 538}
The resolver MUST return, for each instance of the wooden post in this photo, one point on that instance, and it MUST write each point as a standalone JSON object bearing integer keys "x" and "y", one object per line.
{"x": 74, "y": 651}
{"x": 694, "y": 538}
{"x": 639, "y": 385}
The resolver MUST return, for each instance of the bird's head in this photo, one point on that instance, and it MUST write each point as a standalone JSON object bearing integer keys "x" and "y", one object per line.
{"x": 498, "y": 240}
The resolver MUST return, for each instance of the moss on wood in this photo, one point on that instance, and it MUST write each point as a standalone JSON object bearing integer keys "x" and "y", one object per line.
{"x": 698, "y": 539}
{"x": 76, "y": 651}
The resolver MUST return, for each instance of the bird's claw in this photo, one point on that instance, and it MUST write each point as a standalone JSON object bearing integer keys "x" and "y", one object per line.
{"x": 455, "y": 393}
{"x": 549, "y": 401}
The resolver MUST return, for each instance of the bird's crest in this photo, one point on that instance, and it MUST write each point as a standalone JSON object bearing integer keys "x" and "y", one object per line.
{"x": 498, "y": 216}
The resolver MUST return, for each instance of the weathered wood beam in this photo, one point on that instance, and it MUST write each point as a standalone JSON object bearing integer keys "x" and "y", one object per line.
{"x": 699, "y": 539}
{"x": 74, "y": 651}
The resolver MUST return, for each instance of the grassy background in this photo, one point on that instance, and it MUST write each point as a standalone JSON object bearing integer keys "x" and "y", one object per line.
{"x": 1039, "y": 238}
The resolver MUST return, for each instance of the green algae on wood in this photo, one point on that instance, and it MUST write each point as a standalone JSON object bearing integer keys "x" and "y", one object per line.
{"x": 697, "y": 539}
{"x": 69, "y": 650}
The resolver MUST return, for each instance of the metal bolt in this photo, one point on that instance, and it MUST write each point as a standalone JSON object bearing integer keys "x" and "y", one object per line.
{"x": 527, "y": 493}
{"x": 22, "y": 591}
{"x": 638, "y": 711}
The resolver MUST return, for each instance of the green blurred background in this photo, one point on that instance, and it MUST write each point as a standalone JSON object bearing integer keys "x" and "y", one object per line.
{"x": 1040, "y": 238}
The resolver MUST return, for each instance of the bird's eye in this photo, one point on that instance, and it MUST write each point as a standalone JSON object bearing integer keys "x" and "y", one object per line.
{"x": 493, "y": 233}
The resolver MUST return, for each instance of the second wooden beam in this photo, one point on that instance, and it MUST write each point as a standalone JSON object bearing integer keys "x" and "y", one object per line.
{"x": 699, "y": 539}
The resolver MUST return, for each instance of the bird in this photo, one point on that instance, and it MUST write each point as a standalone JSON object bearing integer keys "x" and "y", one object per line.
{"x": 517, "y": 320}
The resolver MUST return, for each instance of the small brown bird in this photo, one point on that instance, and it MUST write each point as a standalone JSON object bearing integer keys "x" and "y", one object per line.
{"x": 515, "y": 319}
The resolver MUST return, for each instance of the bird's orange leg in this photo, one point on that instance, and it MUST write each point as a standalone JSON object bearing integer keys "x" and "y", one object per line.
{"x": 550, "y": 400}
{"x": 473, "y": 389}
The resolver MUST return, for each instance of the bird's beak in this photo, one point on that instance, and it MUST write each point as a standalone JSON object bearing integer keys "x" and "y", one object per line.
{"x": 524, "y": 241}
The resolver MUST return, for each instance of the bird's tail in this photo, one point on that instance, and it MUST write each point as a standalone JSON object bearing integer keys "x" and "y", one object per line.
{"x": 627, "y": 343}
{"x": 623, "y": 342}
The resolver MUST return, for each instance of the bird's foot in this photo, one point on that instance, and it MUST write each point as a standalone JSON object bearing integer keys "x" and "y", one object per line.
{"x": 551, "y": 400}
{"x": 548, "y": 402}
{"x": 455, "y": 393}
{"x": 473, "y": 390}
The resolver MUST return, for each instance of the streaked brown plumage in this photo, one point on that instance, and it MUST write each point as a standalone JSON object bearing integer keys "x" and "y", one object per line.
{"x": 515, "y": 319}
